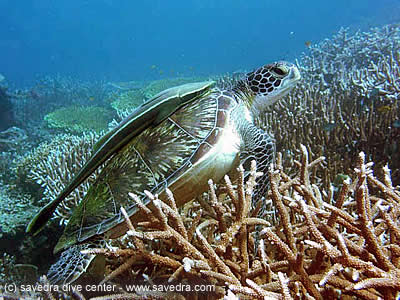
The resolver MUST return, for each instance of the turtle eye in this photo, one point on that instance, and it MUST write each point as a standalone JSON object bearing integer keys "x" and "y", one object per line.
{"x": 281, "y": 71}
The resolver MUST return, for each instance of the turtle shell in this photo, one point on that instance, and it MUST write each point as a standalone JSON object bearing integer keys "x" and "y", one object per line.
{"x": 196, "y": 143}
{"x": 148, "y": 115}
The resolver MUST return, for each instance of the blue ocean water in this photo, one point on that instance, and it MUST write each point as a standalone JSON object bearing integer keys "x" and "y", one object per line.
{"x": 126, "y": 40}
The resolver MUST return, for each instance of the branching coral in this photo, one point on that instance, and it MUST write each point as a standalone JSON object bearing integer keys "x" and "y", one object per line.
{"x": 345, "y": 52}
{"x": 318, "y": 246}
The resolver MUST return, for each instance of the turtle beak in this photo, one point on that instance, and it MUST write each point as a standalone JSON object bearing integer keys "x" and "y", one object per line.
{"x": 290, "y": 80}
{"x": 294, "y": 74}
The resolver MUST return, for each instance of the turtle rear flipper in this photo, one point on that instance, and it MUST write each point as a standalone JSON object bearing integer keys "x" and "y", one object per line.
{"x": 72, "y": 264}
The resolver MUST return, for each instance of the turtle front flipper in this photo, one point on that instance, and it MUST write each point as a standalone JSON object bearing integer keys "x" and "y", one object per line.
{"x": 151, "y": 113}
{"x": 258, "y": 146}
{"x": 72, "y": 264}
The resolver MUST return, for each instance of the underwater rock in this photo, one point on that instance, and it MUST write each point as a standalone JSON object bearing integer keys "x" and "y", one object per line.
{"x": 16, "y": 208}
{"x": 6, "y": 111}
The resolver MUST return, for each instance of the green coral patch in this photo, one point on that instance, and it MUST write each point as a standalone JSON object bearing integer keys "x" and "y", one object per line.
{"x": 78, "y": 119}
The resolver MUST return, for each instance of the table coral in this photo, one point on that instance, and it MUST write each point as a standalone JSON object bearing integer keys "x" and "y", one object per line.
{"x": 78, "y": 119}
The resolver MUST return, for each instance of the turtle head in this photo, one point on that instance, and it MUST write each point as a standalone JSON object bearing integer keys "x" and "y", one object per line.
{"x": 270, "y": 83}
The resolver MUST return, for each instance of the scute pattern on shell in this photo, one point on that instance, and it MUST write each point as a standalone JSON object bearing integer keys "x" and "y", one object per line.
{"x": 148, "y": 162}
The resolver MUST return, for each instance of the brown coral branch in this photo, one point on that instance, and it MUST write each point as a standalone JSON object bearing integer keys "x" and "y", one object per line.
{"x": 214, "y": 258}
{"x": 363, "y": 208}
{"x": 285, "y": 289}
{"x": 282, "y": 211}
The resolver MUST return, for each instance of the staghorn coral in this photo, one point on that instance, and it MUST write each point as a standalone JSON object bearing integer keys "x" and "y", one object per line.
{"x": 322, "y": 243}
{"x": 317, "y": 244}
{"x": 348, "y": 102}
{"x": 65, "y": 155}
{"x": 78, "y": 119}
{"x": 346, "y": 52}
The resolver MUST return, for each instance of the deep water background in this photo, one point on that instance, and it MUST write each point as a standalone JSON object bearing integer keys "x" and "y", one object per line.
{"x": 134, "y": 40}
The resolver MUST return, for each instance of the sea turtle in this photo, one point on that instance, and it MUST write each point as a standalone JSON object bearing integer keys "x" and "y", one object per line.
{"x": 179, "y": 139}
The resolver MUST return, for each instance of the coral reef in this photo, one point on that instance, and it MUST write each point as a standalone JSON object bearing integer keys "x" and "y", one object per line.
{"x": 7, "y": 263}
{"x": 348, "y": 247}
{"x": 347, "y": 103}
{"x": 11, "y": 272}
{"x": 78, "y": 119}
{"x": 333, "y": 226}
{"x": 52, "y": 92}
{"x": 16, "y": 210}
{"x": 6, "y": 159}
{"x": 65, "y": 155}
